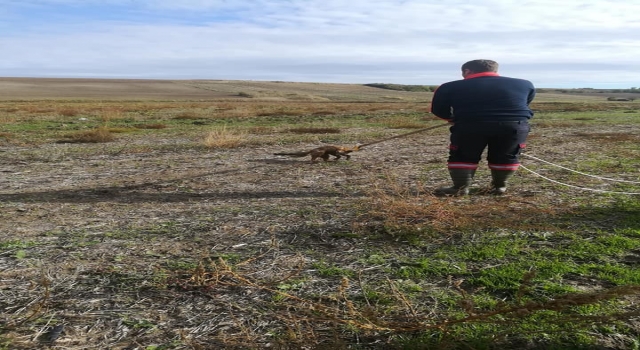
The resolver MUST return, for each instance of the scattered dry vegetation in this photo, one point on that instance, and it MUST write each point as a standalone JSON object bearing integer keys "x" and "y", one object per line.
{"x": 223, "y": 138}
{"x": 168, "y": 224}
{"x": 314, "y": 130}
{"x": 97, "y": 135}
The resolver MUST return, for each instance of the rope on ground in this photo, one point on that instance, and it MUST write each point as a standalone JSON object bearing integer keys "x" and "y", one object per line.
{"x": 579, "y": 172}
{"x": 578, "y": 187}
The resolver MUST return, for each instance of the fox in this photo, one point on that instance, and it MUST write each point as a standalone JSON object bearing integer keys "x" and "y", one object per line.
{"x": 323, "y": 152}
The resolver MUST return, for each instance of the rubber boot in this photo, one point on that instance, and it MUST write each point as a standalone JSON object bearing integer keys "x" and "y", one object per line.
{"x": 462, "y": 179}
{"x": 499, "y": 181}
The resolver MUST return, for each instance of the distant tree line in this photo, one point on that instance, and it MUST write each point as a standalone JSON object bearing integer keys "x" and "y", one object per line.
{"x": 612, "y": 98}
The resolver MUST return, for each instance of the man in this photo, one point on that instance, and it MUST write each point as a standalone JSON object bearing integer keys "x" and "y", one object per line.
{"x": 485, "y": 109}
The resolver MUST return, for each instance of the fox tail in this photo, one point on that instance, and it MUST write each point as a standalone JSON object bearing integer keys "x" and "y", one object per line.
{"x": 292, "y": 154}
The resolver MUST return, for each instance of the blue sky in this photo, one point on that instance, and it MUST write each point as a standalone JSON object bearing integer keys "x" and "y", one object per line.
{"x": 552, "y": 43}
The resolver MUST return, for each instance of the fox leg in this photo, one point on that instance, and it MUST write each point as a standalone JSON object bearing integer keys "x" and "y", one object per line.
{"x": 338, "y": 155}
{"x": 315, "y": 155}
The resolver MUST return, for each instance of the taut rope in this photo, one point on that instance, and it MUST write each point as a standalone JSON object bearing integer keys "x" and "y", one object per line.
{"x": 403, "y": 135}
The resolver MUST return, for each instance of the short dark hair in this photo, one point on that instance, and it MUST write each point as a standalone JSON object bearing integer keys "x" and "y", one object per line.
{"x": 481, "y": 66}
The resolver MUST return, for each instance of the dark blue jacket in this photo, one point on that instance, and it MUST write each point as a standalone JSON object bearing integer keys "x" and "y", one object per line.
{"x": 484, "y": 97}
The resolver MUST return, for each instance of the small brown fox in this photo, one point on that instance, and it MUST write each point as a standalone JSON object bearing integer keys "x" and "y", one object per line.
{"x": 322, "y": 152}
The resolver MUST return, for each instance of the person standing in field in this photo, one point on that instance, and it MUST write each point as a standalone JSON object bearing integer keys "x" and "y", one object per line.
{"x": 486, "y": 111}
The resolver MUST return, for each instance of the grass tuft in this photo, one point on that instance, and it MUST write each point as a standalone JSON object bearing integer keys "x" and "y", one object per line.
{"x": 223, "y": 138}
{"x": 68, "y": 112}
{"x": 97, "y": 135}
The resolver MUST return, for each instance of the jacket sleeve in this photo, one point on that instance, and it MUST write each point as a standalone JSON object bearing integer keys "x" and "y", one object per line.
{"x": 440, "y": 105}
{"x": 532, "y": 94}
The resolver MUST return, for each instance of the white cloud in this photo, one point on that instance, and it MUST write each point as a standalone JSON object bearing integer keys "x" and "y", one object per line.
{"x": 330, "y": 40}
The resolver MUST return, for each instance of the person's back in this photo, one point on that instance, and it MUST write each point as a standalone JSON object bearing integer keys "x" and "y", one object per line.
{"x": 484, "y": 97}
{"x": 485, "y": 110}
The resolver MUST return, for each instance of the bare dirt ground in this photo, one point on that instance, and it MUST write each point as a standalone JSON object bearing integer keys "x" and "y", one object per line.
{"x": 109, "y": 238}
{"x": 107, "y": 232}
{"x": 136, "y": 215}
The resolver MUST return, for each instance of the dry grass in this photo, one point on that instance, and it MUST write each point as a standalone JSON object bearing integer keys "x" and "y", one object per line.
{"x": 261, "y": 130}
{"x": 324, "y": 112}
{"x": 189, "y": 115}
{"x": 112, "y": 114}
{"x": 540, "y": 105}
{"x": 97, "y": 135}
{"x": 38, "y": 110}
{"x": 314, "y": 130}
{"x": 151, "y": 126}
{"x": 403, "y": 209}
{"x": 145, "y": 244}
{"x": 609, "y": 137}
{"x": 224, "y": 138}
{"x": 69, "y": 112}
{"x": 400, "y": 122}
{"x": 305, "y": 318}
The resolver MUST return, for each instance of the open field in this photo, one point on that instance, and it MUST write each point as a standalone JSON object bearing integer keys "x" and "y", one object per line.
{"x": 234, "y": 90}
{"x": 154, "y": 215}
{"x": 117, "y": 89}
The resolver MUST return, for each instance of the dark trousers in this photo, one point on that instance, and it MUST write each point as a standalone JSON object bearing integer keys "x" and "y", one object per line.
{"x": 503, "y": 139}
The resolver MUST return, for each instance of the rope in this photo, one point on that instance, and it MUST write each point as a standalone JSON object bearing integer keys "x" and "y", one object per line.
{"x": 578, "y": 172}
{"x": 525, "y": 168}
{"x": 403, "y": 135}
{"x": 578, "y": 187}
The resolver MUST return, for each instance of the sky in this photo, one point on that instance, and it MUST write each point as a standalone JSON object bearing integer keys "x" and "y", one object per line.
{"x": 553, "y": 43}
